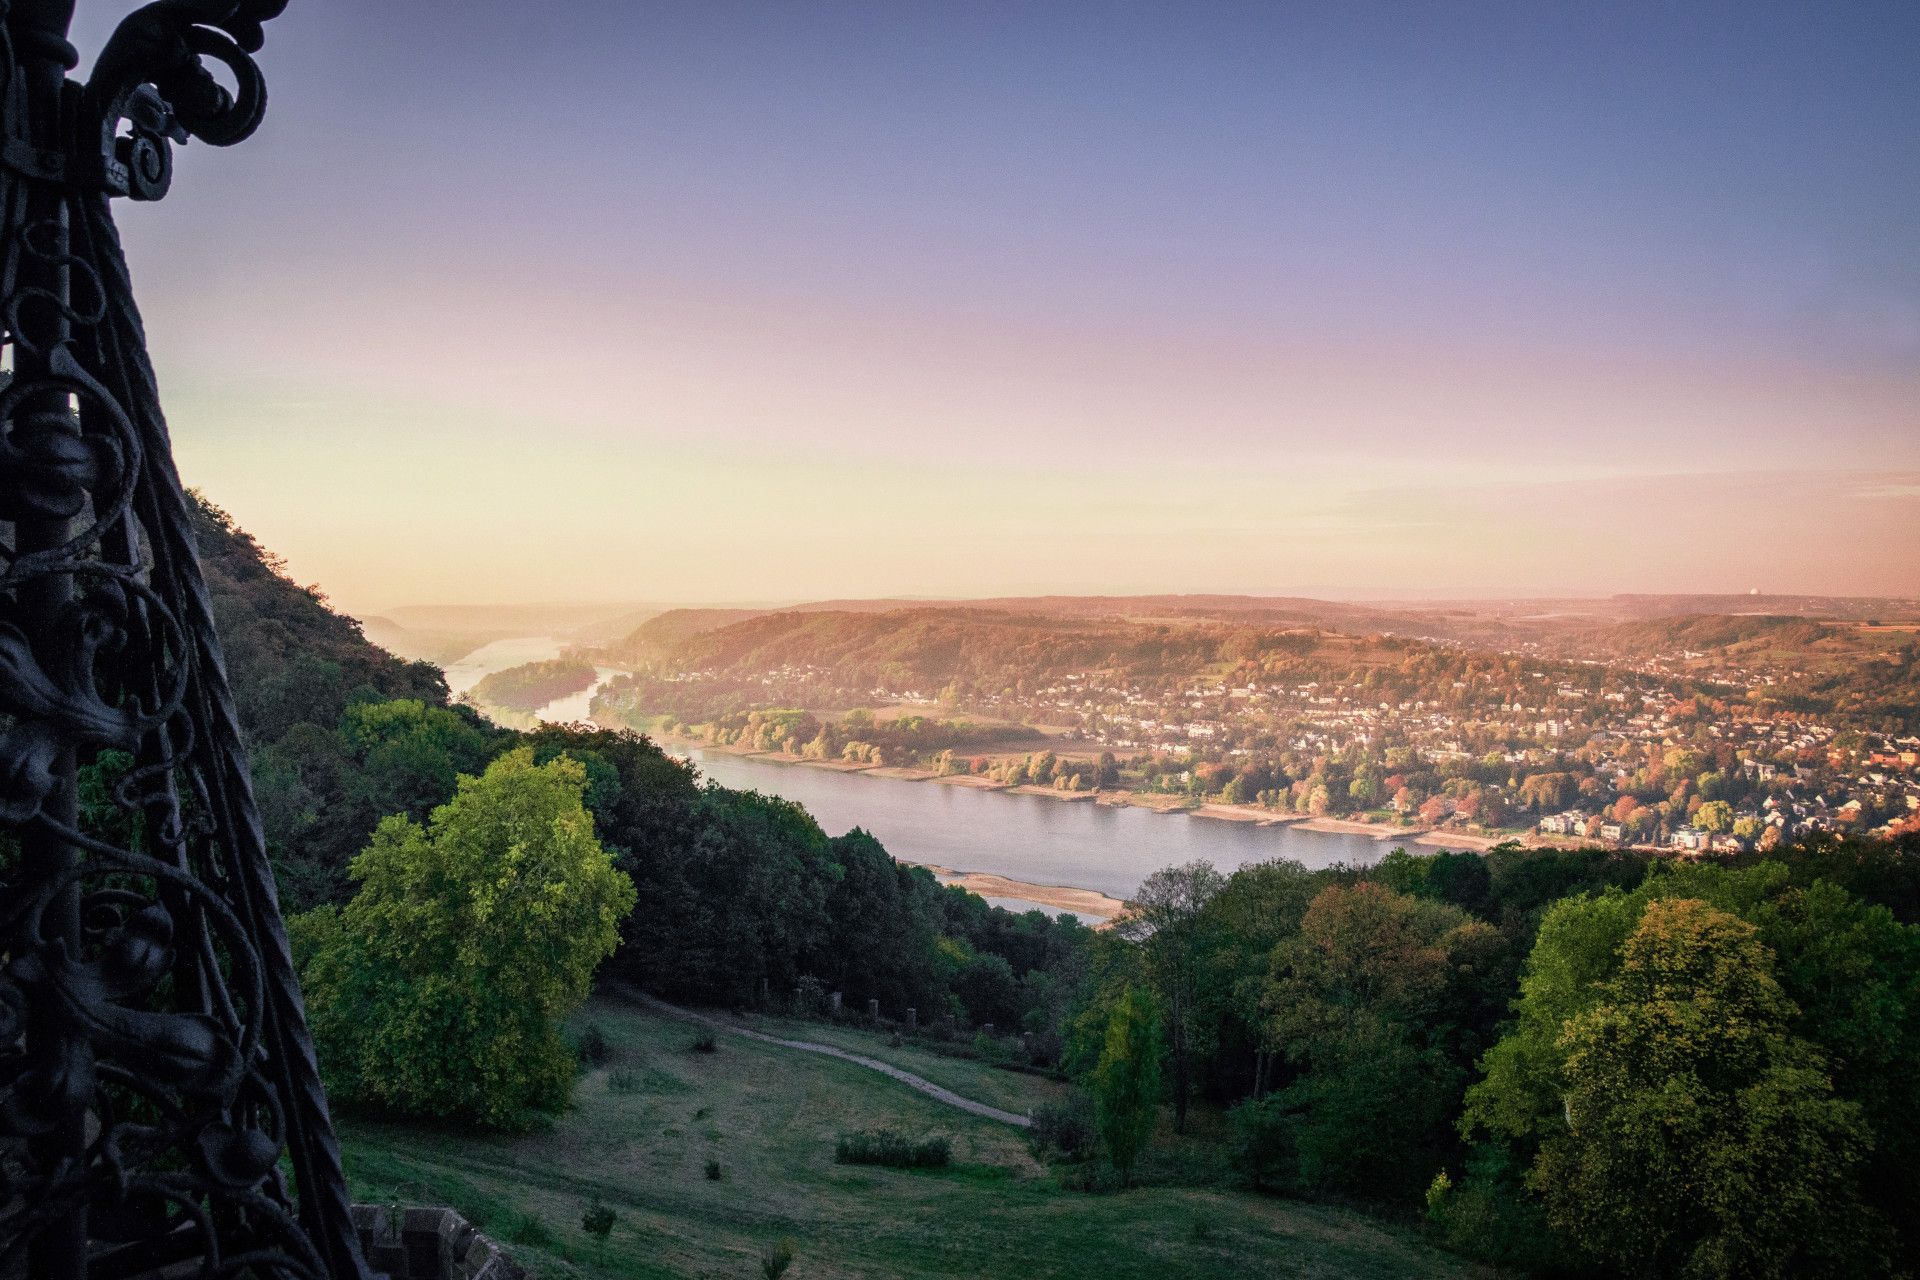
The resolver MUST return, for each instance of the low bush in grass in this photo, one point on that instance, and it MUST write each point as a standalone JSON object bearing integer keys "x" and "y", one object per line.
{"x": 1488, "y": 1216}
{"x": 894, "y": 1150}
{"x": 1064, "y": 1131}
{"x": 992, "y": 1050}
{"x": 703, "y": 1043}
{"x": 530, "y": 1231}
{"x": 1265, "y": 1153}
{"x": 624, "y": 1081}
{"x": 594, "y": 1049}
{"x": 1094, "y": 1177}
{"x": 775, "y": 1259}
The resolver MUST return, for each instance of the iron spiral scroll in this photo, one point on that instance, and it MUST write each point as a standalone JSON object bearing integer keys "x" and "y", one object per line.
{"x": 160, "y": 1110}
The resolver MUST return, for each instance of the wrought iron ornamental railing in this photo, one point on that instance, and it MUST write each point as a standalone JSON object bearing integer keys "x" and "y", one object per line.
{"x": 160, "y": 1110}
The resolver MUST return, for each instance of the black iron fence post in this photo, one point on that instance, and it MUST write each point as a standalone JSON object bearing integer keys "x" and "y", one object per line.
{"x": 157, "y": 1083}
{"x": 45, "y": 427}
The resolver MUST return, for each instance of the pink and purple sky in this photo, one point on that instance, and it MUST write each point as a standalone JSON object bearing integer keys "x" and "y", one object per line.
{"x": 715, "y": 301}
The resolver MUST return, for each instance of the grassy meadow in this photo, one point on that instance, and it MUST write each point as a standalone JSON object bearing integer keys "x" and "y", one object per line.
{"x": 645, "y": 1126}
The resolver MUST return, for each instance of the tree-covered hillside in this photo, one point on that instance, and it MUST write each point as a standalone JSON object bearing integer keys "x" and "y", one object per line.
{"x": 533, "y": 685}
{"x": 742, "y": 893}
{"x": 290, "y": 655}
{"x": 1581, "y": 1062}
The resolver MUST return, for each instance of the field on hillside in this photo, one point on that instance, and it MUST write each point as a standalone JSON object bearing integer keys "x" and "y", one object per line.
{"x": 645, "y": 1125}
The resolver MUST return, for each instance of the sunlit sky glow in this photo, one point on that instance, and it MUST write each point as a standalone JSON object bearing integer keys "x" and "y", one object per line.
{"x": 711, "y": 301}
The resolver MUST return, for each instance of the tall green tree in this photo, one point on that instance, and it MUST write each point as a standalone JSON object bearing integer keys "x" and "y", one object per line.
{"x": 1166, "y": 916}
{"x": 1126, "y": 1083}
{"x": 1379, "y": 1003}
{"x": 438, "y": 989}
{"x": 1681, "y": 1127}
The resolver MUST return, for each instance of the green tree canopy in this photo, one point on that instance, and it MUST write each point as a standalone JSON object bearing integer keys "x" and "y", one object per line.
{"x": 1680, "y": 1124}
{"x": 438, "y": 989}
{"x": 1378, "y": 1002}
{"x": 1167, "y": 917}
{"x": 1126, "y": 1082}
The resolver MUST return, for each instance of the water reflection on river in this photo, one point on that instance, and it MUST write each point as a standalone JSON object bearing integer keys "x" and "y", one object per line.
{"x": 1026, "y": 837}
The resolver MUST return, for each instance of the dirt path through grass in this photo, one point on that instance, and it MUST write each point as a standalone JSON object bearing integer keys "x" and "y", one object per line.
{"x": 912, "y": 1081}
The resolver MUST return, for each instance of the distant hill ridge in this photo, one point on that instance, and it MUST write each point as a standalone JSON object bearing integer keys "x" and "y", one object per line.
{"x": 446, "y": 633}
{"x": 926, "y": 645}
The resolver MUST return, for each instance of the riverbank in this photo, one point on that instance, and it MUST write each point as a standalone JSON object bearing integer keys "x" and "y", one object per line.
{"x": 1152, "y": 801}
{"x": 1090, "y": 902}
{"x": 1371, "y": 830}
{"x": 1238, "y": 813}
{"x": 1463, "y": 840}
{"x": 1106, "y": 843}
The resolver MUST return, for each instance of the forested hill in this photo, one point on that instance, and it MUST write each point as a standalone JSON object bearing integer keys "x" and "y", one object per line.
{"x": 988, "y": 651}
{"x": 697, "y": 664}
{"x": 657, "y": 637}
{"x": 939, "y": 645}
{"x": 1713, "y": 631}
{"x": 742, "y": 892}
{"x": 1619, "y": 628}
{"x": 291, "y": 657}
{"x": 325, "y": 713}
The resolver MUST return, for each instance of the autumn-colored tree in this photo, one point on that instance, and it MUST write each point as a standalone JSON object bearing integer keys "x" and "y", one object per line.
{"x": 1353, "y": 1001}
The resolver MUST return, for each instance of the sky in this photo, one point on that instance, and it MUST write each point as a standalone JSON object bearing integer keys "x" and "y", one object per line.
{"x": 599, "y": 300}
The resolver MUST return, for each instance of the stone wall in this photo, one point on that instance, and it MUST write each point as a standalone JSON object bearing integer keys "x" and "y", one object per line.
{"x": 428, "y": 1244}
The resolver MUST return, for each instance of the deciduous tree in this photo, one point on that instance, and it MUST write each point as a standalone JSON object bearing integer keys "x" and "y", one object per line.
{"x": 439, "y": 988}
{"x": 1126, "y": 1083}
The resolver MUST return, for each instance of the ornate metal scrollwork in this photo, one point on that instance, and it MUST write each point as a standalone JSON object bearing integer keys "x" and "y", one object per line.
{"x": 160, "y": 1111}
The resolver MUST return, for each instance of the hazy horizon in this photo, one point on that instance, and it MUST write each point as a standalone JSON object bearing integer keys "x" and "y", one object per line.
{"x": 741, "y": 301}
{"x": 609, "y": 607}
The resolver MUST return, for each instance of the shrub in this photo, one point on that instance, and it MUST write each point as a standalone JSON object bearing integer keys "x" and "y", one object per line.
{"x": 896, "y": 1151}
{"x": 1094, "y": 1177}
{"x": 1489, "y": 1216}
{"x": 623, "y": 1081}
{"x": 703, "y": 1043}
{"x": 1063, "y": 1131}
{"x": 530, "y": 1231}
{"x": 991, "y": 1049}
{"x": 594, "y": 1049}
{"x": 1126, "y": 1083}
{"x": 810, "y": 996}
{"x": 714, "y": 1171}
{"x": 775, "y": 1259}
{"x": 598, "y": 1222}
{"x": 1264, "y": 1151}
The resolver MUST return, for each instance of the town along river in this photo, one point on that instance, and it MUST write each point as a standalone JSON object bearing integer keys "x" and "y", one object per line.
{"x": 1028, "y": 838}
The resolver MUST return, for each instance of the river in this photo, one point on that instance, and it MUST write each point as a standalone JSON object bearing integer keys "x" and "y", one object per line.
{"x": 1027, "y": 838}
{"x": 501, "y": 654}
